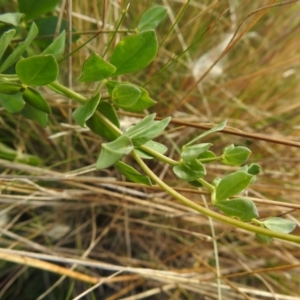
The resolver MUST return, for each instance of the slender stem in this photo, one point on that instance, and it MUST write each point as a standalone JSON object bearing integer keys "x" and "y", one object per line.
{"x": 207, "y": 160}
{"x": 117, "y": 28}
{"x": 210, "y": 187}
{"x": 212, "y": 214}
{"x": 112, "y": 127}
{"x": 159, "y": 156}
{"x": 61, "y": 89}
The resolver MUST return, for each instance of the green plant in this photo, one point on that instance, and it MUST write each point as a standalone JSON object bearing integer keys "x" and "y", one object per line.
{"x": 19, "y": 94}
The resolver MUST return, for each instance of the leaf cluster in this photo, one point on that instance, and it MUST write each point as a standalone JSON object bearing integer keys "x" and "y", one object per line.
{"x": 20, "y": 93}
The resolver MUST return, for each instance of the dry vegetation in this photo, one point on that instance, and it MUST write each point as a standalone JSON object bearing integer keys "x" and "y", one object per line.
{"x": 66, "y": 225}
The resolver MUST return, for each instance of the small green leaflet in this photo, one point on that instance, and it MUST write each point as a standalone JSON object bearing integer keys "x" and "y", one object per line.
{"x": 11, "y": 18}
{"x": 18, "y": 51}
{"x": 125, "y": 95}
{"x": 235, "y": 156}
{"x": 243, "y": 209}
{"x": 10, "y": 88}
{"x": 37, "y": 70}
{"x": 190, "y": 171}
{"x": 146, "y": 130}
{"x": 152, "y": 17}
{"x": 114, "y": 151}
{"x": 192, "y": 152}
{"x": 96, "y": 68}
{"x": 142, "y": 103}
{"x": 57, "y": 47}
{"x": 36, "y": 100}
{"x": 134, "y": 53}
{"x": 214, "y": 129}
{"x": 232, "y": 184}
{"x": 254, "y": 169}
{"x": 279, "y": 224}
{"x": 132, "y": 174}
{"x": 5, "y": 39}
{"x": 141, "y": 126}
{"x": 84, "y": 112}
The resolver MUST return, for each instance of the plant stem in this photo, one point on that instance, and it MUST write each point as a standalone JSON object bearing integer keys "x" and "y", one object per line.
{"x": 210, "y": 187}
{"x": 212, "y": 214}
{"x": 159, "y": 156}
{"x": 61, "y": 89}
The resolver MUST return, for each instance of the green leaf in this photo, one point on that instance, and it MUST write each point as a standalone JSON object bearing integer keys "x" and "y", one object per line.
{"x": 214, "y": 129}
{"x": 143, "y": 102}
{"x": 155, "y": 146}
{"x": 192, "y": 152}
{"x": 141, "y": 126}
{"x": 33, "y": 8}
{"x": 10, "y": 88}
{"x": 37, "y": 70}
{"x": 236, "y": 156}
{"x": 13, "y": 155}
{"x": 190, "y": 171}
{"x": 243, "y": 209}
{"x": 254, "y": 169}
{"x": 12, "y": 103}
{"x": 5, "y": 39}
{"x": 96, "y": 124}
{"x": 31, "y": 113}
{"x": 228, "y": 148}
{"x": 84, "y": 112}
{"x": 36, "y": 100}
{"x": 134, "y": 53}
{"x": 11, "y": 18}
{"x": 152, "y": 17}
{"x": 57, "y": 47}
{"x": 125, "y": 95}
{"x": 264, "y": 238}
{"x": 232, "y": 184}
{"x": 279, "y": 224}
{"x": 96, "y": 68}
{"x": 114, "y": 151}
{"x": 148, "y": 132}
{"x": 132, "y": 174}
{"x": 15, "y": 55}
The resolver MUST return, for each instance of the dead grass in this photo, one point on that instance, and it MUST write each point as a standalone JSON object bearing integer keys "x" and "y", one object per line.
{"x": 66, "y": 226}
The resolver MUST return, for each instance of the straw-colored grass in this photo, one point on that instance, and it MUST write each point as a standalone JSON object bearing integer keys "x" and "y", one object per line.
{"x": 66, "y": 227}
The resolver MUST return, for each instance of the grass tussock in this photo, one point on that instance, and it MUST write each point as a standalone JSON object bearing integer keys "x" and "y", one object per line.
{"x": 65, "y": 225}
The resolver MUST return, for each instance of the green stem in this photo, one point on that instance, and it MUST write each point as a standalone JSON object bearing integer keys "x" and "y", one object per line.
{"x": 159, "y": 156}
{"x": 61, "y": 89}
{"x": 212, "y": 214}
{"x": 207, "y": 160}
{"x": 210, "y": 187}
